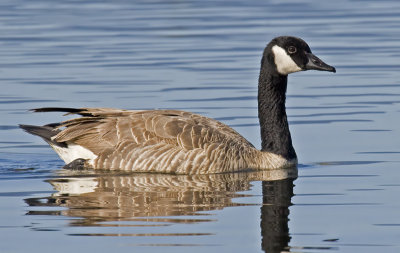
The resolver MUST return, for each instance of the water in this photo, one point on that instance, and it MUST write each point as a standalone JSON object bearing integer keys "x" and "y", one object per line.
{"x": 203, "y": 56}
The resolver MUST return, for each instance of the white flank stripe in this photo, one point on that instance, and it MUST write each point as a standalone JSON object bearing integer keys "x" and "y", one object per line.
{"x": 73, "y": 152}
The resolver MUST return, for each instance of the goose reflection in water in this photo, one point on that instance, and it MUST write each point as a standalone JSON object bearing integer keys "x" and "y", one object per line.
{"x": 152, "y": 200}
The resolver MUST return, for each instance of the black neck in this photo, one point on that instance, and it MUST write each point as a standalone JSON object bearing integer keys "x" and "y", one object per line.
{"x": 275, "y": 133}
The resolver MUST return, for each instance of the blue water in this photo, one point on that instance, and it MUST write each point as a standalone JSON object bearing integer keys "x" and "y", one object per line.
{"x": 203, "y": 56}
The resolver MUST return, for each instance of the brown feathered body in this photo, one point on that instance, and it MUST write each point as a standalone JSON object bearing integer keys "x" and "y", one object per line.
{"x": 166, "y": 141}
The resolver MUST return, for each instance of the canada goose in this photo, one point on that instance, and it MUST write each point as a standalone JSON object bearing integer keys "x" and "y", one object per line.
{"x": 172, "y": 141}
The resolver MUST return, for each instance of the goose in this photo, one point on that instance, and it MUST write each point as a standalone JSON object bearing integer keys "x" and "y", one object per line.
{"x": 181, "y": 142}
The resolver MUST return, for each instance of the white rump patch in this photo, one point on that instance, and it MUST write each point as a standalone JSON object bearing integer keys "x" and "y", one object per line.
{"x": 284, "y": 63}
{"x": 73, "y": 152}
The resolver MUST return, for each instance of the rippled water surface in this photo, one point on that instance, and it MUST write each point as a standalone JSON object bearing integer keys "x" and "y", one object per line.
{"x": 203, "y": 56}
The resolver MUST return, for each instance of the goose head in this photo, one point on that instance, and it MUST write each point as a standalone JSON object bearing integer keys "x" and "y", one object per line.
{"x": 288, "y": 54}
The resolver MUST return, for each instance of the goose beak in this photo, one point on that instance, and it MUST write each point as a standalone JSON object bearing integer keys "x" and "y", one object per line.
{"x": 317, "y": 64}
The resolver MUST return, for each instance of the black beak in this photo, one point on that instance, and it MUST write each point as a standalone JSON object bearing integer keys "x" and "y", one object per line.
{"x": 315, "y": 63}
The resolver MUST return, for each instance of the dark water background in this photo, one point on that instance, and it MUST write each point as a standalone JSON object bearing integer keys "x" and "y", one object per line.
{"x": 203, "y": 56}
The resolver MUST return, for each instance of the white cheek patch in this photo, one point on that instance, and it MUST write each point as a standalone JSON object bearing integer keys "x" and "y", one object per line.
{"x": 284, "y": 63}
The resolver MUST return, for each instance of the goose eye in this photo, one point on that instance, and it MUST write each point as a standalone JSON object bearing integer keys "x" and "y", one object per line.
{"x": 292, "y": 50}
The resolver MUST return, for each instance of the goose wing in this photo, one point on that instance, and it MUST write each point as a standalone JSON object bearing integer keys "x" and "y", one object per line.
{"x": 156, "y": 140}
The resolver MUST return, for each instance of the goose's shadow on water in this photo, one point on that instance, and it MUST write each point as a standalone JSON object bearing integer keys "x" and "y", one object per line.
{"x": 149, "y": 202}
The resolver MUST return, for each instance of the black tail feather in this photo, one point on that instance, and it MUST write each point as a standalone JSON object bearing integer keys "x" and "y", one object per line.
{"x": 58, "y": 109}
{"x": 80, "y": 111}
{"x": 45, "y": 132}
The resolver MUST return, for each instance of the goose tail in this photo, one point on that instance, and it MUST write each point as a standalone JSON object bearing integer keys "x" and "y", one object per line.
{"x": 46, "y": 132}
{"x": 72, "y": 154}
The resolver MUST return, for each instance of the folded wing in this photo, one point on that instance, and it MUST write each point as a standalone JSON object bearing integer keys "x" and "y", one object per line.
{"x": 168, "y": 141}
